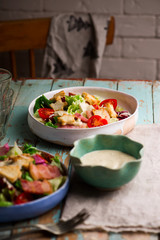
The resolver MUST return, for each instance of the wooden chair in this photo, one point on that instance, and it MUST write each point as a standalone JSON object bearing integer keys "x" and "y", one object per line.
{"x": 31, "y": 34}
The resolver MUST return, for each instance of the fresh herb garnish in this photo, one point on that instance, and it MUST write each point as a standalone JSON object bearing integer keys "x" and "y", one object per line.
{"x": 28, "y": 148}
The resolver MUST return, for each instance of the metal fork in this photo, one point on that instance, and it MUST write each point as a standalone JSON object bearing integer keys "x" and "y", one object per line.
{"x": 57, "y": 229}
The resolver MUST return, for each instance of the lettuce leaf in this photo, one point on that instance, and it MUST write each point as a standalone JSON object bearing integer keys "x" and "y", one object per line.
{"x": 75, "y": 98}
{"x": 14, "y": 151}
{"x": 57, "y": 182}
{"x": 41, "y": 102}
{"x": 74, "y": 103}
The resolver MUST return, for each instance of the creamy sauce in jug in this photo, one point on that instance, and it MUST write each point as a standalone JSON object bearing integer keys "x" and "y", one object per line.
{"x": 113, "y": 159}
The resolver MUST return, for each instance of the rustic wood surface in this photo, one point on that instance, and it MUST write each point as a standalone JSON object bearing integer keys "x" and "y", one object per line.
{"x": 148, "y": 95}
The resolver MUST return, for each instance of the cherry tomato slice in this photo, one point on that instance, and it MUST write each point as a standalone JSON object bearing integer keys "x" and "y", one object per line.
{"x": 23, "y": 197}
{"x": 111, "y": 101}
{"x": 96, "y": 121}
{"x": 45, "y": 113}
{"x": 95, "y": 106}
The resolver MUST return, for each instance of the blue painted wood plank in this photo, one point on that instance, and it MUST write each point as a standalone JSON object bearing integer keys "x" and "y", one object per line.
{"x": 142, "y": 90}
{"x": 18, "y": 129}
{"x": 32, "y": 89}
{"x": 65, "y": 83}
{"x": 100, "y": 83}
{"x": 116, "y": 236}
{"x": 156, "y": 101}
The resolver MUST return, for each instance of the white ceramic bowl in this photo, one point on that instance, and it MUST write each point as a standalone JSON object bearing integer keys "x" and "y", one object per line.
{"x": 68, "y": 136}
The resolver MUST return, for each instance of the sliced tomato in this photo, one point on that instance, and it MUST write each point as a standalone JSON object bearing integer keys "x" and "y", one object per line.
{"x": 95, "y": 106}
{"x": 45, "y": 113}
{"x": 24, "y": 197}
{"x": 96, "y": 121}
{"x": 71, "y": 94}
{"x": 111, "y": 101}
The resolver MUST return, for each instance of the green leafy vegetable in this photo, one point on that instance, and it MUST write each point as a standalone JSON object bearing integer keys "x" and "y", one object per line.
{"x": 56, "y": 162}
{"x": 18, "y": 185}
{"x": 27, "y": 176}
{"x": 75, "y": 98}
{"x": 57, "y": 182}
{"x": 119, "y": 109}
{"x": 52, "y": 124}
{"x": 74, "y": 103}
{"x": 28, "y": 148}
{"x": 8, "y": 193}
{"x": 74, "y": 108}
{"x": 41, "y": 102}
{"x": 3, "y": 157}
{"x": 2, "y": 197}
{"x": 14, "y": 151}
{"x": 5, "y": 204}
{"x": 36, "y": 114}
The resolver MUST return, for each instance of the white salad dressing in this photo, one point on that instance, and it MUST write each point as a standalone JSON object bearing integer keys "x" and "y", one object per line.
{"x": 113, "y": 159}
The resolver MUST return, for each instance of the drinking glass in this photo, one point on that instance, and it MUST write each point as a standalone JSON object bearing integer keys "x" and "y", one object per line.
{"x": 5, "y": 80}
{"x": 5, "y": 110}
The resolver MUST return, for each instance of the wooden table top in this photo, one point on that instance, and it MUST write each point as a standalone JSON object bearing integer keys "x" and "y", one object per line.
{"x": 148, "y": 95}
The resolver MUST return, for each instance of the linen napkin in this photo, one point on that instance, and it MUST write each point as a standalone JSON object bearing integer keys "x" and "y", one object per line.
{"x": 75, "y": 45}
{"x": 136, "y": 205}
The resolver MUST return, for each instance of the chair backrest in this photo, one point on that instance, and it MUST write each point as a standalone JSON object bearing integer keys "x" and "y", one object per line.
{"x": 30, "y": 34}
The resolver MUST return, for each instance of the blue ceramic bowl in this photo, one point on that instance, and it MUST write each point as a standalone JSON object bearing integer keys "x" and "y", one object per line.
{"x": 102, "y": 177}
{"x": 34, "y": 208}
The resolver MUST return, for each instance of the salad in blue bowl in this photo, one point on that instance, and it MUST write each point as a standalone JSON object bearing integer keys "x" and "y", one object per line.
{"x": 29, "y": 178}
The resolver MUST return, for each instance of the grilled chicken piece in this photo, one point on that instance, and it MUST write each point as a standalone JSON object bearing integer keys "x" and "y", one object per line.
{"x": 59, "y": 113}
{"x": 101, "y": 112}
{"x": 11, "y": 172}
{"x": 90, "y": 98}
{"x": 110, "y": 109}
{"x": 66, "y": 119}
{"x": 22, "y": 160}
{"x": 58, "y": 96}
{"x": 58, "y": 105}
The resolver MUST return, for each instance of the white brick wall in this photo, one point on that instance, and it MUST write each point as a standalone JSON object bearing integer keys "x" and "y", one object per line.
{"x": 135, "y": 52}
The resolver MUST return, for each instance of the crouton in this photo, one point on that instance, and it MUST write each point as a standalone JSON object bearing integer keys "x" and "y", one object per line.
{"x": 90, "y": 98}
{"x": 59, "y": 113}
{"x": 58, "y": 106}
{"x": 58, "y": 96}
{"x": 11, "y": 172}
{"x": 66, "y": 119}
{"x": 110, "y": 109}
{"x": 101, "y": 112}
{"x": 23, "y": 160}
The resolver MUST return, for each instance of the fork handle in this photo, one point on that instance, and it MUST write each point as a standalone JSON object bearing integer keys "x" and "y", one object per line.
{"x": 16, "y": 227}
{"x": 17, "y": 235}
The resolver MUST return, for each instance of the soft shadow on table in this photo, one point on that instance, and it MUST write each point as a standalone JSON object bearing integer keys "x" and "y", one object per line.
{"x": 79, "y": 188}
